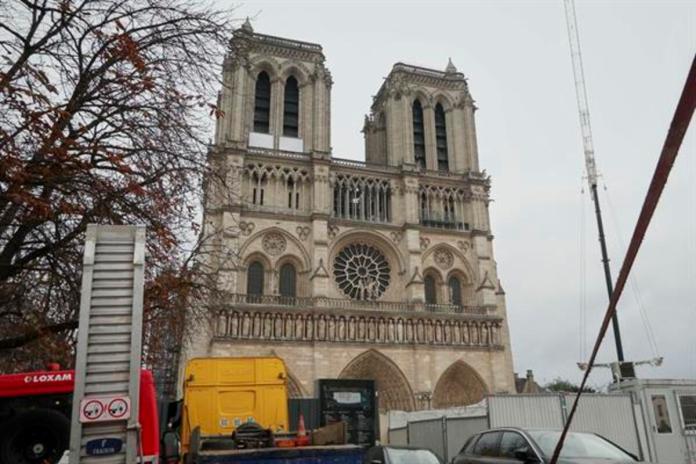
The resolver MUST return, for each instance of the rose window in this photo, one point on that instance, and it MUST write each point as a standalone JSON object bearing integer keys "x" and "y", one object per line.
{"x": 361, "y": 272}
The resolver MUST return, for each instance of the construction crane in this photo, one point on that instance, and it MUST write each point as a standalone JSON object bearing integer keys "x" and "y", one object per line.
{"x": 590, "y": 165}
{"x": 615, "y": 367}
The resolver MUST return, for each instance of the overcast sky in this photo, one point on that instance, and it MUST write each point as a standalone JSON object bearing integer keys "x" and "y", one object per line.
{"x": 515, "y": 56}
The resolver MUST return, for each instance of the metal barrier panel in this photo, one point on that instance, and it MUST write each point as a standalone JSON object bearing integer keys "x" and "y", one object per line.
{"x": 398, "y": 436}
{"x": 107, "y": 364}
{"x": 608, "y": 415}
{"x": 531, "y": 411}
{"x": 690, "y": 438}
{"x": 309, "y": 407}
{"x": 430, "y": 434}
{"x": 459, "y": 429}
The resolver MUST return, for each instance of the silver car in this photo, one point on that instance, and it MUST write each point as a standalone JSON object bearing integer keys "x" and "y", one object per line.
{"x": 514, "y": 445}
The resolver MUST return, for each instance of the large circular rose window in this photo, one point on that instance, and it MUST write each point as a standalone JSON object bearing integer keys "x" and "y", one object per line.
{"x": 361, "y": 271}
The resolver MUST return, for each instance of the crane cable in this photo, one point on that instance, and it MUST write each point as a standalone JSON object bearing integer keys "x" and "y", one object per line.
{"x": 670, "y": 149}
{"x": 583, "y": 275}
{"x": 633, "y": 281}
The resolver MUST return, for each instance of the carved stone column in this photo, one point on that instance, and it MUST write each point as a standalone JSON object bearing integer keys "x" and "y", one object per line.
{"x": 471, "y": 146}
{"x": 430, "y": 144}
{"x": 276, "y": 116}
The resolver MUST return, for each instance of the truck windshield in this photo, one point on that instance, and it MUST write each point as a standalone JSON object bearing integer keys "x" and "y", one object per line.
{"x": 578, "y": 445}
{"x": 411, "y": 456}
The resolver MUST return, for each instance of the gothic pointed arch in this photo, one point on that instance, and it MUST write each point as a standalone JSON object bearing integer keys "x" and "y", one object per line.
{"x": 247, "y": 248}
{"x": 265, "y": 63}
{"x": 295, "y": 389}
{"x": 442, "y": 99}
{"x": 373, "y": 238}
{"x": 296, "y": 69}
{"x": 394, "y": 391}
{"x": 459, "y": 385}
{"x": 461, "y": 262}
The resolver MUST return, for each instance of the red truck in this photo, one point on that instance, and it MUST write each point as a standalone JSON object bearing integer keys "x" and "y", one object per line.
{"x": 35, "y": 409}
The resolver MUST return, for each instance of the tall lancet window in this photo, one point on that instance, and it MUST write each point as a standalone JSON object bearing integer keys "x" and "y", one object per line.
{"x": 418, "y": 135}
{"x": 288, "y": 279}
{"x": 262, "y": 103}
{"x": 291, "y": 110}
{"x": 455, "y": 291}
{"x": 430, "y": 290}
{"x": 441, "y": 138}
{"x": 255, "y": 281}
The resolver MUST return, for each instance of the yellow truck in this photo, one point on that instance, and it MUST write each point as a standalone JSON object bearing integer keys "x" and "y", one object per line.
{"x": 220, "y": 394}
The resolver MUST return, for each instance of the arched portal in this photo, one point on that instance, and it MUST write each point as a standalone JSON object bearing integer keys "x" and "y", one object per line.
{"x": 459, "y": 385}
{"x": 295, "y": 389}
{"x": 394, "y": 392}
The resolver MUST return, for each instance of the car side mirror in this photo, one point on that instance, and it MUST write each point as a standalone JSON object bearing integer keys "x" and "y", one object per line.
{"x": 526, "y": 455}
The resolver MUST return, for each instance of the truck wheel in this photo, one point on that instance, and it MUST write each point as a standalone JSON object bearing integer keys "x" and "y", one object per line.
{"x": 38, "y": 436}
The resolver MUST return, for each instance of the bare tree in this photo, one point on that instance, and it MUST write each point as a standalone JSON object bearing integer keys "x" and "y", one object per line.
{"x": 105, "y": 109}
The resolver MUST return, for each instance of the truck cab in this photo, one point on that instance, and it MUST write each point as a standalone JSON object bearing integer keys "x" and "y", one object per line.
{"x": 35, "y": 410}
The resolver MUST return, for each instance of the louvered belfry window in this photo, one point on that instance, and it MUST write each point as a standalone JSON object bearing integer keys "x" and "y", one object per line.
{"x": 262, "y": 103}
{"x": 255, "y": 279}
{"x": 418, "y": 135}
{"x": 288, "y": 280}
{"x": 291, "y": 110}
{"x": 441, "y": 138}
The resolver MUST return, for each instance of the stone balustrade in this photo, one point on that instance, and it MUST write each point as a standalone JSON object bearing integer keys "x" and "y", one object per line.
{"x": 336, "y": 327}
{"x": 274, "y": 301}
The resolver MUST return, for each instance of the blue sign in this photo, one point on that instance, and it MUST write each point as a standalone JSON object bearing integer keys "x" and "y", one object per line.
{"x": 104, "y": 446}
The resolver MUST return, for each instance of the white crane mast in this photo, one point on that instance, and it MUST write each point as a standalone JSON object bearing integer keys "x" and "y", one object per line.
{"x": 590, "y": 166}
{"x": 581, "y": 92}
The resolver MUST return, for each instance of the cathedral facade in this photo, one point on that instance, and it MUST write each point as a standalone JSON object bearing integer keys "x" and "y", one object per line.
{"x": 380, "y": 269}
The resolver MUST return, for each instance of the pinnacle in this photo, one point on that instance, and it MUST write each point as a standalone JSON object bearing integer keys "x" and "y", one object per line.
{"x": 451, "y": 68}
{"x": 247, "y": 26}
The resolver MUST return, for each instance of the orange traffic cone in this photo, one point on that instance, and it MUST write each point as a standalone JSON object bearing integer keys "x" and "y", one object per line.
{"x": 302, "y": 438}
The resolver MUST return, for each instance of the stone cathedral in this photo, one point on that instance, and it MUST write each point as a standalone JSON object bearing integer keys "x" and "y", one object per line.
{"x": 380, "y": 269}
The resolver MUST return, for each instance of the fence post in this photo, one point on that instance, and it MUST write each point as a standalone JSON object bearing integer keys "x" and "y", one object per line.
{"x": 564, "y": 407}
{"x": 444, "y": 438}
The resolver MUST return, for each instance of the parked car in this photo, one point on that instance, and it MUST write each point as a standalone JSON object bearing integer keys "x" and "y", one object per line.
{"x": 387, "y": 454}
{"x": 514, "y": 445}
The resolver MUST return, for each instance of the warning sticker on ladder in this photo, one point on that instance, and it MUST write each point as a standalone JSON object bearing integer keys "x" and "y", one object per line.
{"x": 104, "y": 409}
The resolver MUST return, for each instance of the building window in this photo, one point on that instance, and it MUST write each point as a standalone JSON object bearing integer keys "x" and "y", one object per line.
{"x": 662, "y": 421}
{"x": 288, "y": 281}
{"x": 455, "y": 291}
{"x": 361, "y": 272}
{"x": 687, "y": 405}
{"x": 258, "y": 184}
{"x": 362, "y": 198}
{"x": 262, "y": 103}
{"x": 291, "y": 108}
{"x": 255, "y": 280}
{"x": 441, "y": 138}
{"x": 430, "y": 290}
{"x": 418, "y": 135}
{"x": 293, "y": 190}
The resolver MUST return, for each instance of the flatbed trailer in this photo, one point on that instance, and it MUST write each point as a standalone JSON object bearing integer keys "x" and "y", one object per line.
{"x": 334, "y": 454}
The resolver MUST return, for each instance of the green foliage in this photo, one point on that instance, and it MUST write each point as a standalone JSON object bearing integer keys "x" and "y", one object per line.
{"x": 566, "y": 386}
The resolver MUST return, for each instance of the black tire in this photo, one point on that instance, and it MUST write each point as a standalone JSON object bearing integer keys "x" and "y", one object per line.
{"x": 37, "y": 436}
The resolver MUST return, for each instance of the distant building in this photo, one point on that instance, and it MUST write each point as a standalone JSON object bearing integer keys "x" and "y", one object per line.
{"x": 528, "y": 384}
{"x": 381, "y": 269}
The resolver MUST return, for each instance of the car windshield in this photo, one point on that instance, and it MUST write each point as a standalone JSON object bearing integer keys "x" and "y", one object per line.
{"x": 578, "y": 445}
{"x": 411, "y": 456}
